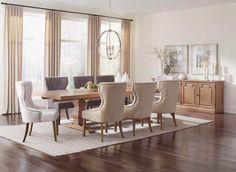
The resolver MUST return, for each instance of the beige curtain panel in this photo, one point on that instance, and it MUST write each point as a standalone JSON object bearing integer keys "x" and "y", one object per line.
{"x": 93, "y": 54}
{"x": 52, "y": 43}
{"x": 125, "y": 46}
{"x": 13, "y": 55}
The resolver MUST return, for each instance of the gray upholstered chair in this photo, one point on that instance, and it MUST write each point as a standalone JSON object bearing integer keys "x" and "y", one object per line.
{"x": 141, "y": 107}
{"x": 80, "y": 81}
{"x": 105, "y": 78}
{"x": 169, "y": 90}
{"x": 32, "y": 113}
{"x": 111, "y": 108}
{"x": 58, "y": 83}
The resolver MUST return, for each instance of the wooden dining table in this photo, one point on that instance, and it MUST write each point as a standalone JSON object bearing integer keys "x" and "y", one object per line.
{"x": 78, "y": 95}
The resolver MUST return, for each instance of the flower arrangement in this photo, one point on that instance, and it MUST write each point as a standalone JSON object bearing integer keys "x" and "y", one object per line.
{"x": 159, "y": 52}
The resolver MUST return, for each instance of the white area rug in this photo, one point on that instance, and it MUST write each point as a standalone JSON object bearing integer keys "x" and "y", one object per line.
{"x": 72, "y": 141}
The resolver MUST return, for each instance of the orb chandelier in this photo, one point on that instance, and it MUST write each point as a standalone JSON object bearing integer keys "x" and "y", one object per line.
{"x": 109, "y": 42}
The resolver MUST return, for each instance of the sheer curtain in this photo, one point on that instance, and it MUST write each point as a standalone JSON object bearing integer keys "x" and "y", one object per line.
{"x": 3, "y": 61}
{"x": 13, "y": 55}
{"x": 94, "y": 27}
{"x": 52, "y": 43}
{"x": 125, "y": 55}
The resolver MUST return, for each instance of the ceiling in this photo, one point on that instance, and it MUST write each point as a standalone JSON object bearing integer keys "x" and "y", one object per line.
{"x": 123, "y": 7}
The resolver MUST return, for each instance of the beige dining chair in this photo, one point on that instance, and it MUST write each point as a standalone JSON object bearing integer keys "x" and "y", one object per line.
{"x": 169, "y": 90}
{"x": 141, "y": 107}
{"x": 32, "y": 113}
{"x": 111, "y": 108}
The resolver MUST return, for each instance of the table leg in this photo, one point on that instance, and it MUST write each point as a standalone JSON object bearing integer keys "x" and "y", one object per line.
{"x": 81, "y": 108}
{"x": 78, "y": 121}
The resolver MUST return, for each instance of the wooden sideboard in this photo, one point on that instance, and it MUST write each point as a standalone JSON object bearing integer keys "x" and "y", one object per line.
{"x": 201, "y": 96}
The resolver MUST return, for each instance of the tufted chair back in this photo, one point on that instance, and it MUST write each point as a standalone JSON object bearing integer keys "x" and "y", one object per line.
{"x": 24, "y": 91}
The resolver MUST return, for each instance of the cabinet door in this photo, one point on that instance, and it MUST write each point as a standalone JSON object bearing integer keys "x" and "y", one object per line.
{"x": 206, "y": 93}
{"x": 179, "y": 100}
{"x": 188, "y": 93}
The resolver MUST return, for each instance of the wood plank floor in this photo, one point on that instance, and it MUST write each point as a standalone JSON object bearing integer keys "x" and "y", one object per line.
{"x": 207, "y": 148}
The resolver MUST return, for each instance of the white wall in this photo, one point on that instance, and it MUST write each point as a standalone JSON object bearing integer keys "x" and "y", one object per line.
{"x": 216, "y": 24}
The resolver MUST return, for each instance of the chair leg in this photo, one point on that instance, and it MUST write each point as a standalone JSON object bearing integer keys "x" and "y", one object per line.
{"x": 54, "y": 130}
{"x": 142, "y": 121}
{"x": 84, "y": 126}
{"x": 106, "y": 127}
{"x": 160, "y": 118}
{"x": 115, "y": 127}
{"x": 173, "y": 115}
{"x": 134, "y": 121}
{"x": 59, "y": 118}
{"x": 149, "y": 124}
{"x": 26, "y": 131}
{"x": 101, "y": 132}
{"x": 31, "y": 128}
{"x": 57, "y": 126}
{"x": 67, "y": 114}
{"x": 120, "y": 127}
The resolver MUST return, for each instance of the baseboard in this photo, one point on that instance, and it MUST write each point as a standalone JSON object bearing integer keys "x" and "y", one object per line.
{"x": 230, "y": 109}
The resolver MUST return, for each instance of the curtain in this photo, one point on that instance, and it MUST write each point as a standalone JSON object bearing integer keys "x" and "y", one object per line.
{"x": 94, "y": 27}
{"x": 13, "y": 55}
{"x": 125, "y": 46}
{"x": 52, "y": 43}
{"x": 3, "y": 61}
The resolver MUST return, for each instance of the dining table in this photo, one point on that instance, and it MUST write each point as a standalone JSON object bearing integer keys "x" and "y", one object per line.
{"x": 79, "y": 96}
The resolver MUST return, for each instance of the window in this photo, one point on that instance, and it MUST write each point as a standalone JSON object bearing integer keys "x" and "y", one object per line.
{"x": 73, "y": 47}
{"x": 33, "y": 48}
{"x": 110, "y": 67}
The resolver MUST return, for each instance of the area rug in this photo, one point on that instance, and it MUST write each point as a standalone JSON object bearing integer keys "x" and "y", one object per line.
{"x": 71, "y": 140}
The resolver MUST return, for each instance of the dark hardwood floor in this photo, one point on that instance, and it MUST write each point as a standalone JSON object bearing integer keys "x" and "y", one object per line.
{"x": 207, "y": 148}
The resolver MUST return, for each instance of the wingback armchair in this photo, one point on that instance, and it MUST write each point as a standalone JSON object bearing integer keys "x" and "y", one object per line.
{"x": 169, "y": 90}
{"x": 111, "y": 108}
{"x": 141, "y": 107}
{"x": 32, "y": 113}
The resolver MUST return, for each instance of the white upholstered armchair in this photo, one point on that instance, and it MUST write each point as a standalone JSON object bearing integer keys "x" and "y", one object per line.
{"x": 32, "y": 113}
{"x": 169, "y": 90}
{"x": 141, "y": 108}
{"x": 111, "y": 108}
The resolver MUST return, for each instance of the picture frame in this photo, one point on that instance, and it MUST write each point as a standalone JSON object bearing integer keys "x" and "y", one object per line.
{"x": 177, "y": 58}
{"x": 204, "y": 56}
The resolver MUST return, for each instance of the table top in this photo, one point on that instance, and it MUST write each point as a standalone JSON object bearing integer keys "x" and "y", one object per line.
{"x": 71, "y": 94}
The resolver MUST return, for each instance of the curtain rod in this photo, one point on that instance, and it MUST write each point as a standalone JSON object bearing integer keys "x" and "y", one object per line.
{"x": 64, "y": 11}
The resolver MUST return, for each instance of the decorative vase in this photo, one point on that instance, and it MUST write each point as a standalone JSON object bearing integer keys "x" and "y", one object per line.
{"x": 118, "y": 77}
{"x": 182, "y": 76}
{"x": 166, "y": 69}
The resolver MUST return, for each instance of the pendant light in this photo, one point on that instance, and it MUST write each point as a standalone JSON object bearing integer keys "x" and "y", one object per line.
{"x": 109, "y": 42}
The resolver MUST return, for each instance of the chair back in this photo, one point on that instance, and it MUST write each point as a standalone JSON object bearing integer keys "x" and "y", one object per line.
{"x": 80, "y": 81}
{"x": 105, "y": 78}
{"x": 24, "y": 91}
{"x": 56, "y": 83}
{"x": 169, "y": 90}
{"x": 112, "y": 101}
{"x": 143, "y": 99}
